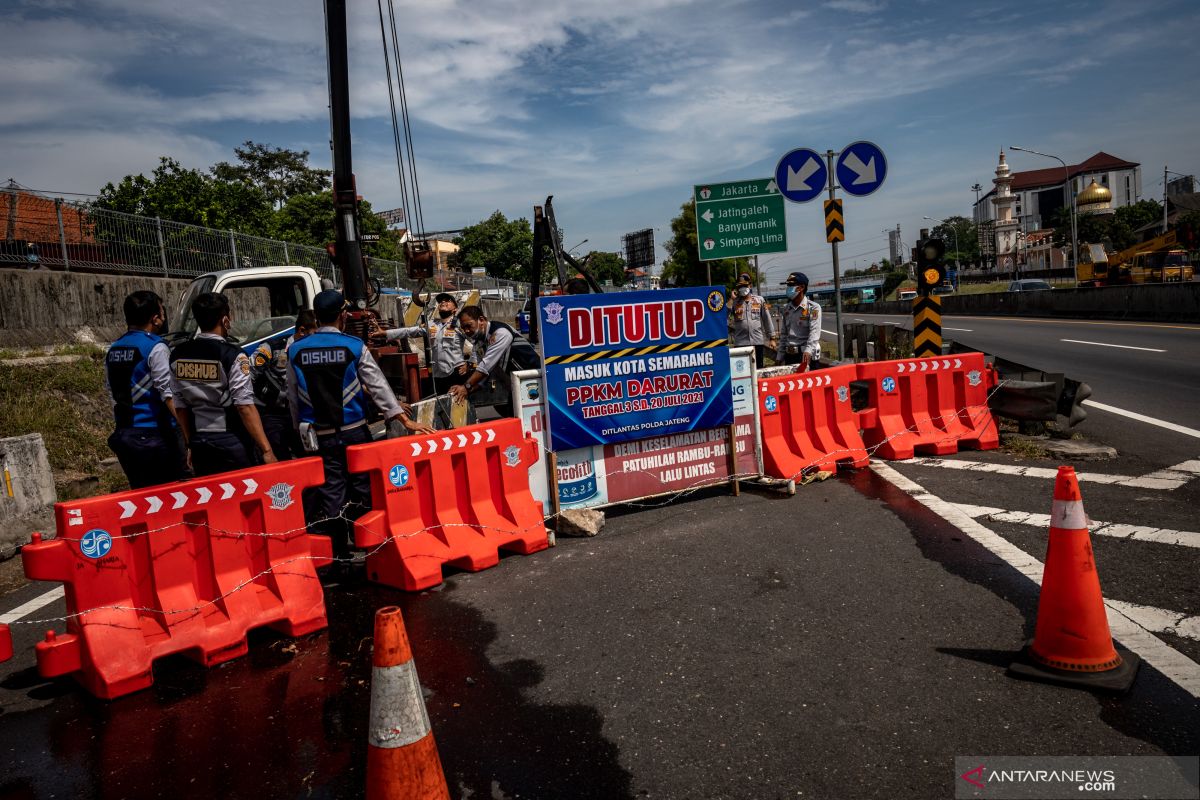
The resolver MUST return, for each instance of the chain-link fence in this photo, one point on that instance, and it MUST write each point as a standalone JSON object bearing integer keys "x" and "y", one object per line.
{"x": 51, "y": 233}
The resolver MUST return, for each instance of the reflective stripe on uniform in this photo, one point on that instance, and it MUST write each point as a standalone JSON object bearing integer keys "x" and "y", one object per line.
{"x": 398, "y": 716}
{"x": 1068, "y": 514}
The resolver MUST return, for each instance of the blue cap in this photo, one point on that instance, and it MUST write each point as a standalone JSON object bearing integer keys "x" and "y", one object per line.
{"x": 328, "y": 301}
{"x": 796, "y": 279}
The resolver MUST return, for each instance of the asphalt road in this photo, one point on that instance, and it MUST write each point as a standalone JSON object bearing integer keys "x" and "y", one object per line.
{"x": 842, "y": 643}
{"x": 1159, "y": 378}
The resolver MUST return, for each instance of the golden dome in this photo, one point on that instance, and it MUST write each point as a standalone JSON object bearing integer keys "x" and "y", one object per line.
{"x": 1094, "y": 194}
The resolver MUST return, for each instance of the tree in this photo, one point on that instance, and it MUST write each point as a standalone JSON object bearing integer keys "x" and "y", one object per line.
{"x": 606, "y": 267}
{"x": 961, "y": 237}
{"x": 683, "y": 266}
{"x": 503, "y": 248}
{"x": 278, "y": 172}
{"x": 309, "y": 219}
{"x": 175, "y": 193}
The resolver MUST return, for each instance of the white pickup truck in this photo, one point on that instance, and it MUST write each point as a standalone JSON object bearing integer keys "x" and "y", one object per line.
{"x": 264, "y": 301}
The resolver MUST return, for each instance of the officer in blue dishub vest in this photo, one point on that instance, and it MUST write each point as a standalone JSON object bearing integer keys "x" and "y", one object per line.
{"x": 137, "y": 372}
{"x": 331, "y": 375}
{"x": 210, "y": 379}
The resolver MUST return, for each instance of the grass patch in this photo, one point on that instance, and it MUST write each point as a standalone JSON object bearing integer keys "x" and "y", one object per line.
{"x": 67, "y": 404}
{"x": 1022, "y": 448}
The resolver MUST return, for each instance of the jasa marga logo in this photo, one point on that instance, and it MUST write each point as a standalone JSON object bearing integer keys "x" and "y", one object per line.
{"x": 576, "y": 480}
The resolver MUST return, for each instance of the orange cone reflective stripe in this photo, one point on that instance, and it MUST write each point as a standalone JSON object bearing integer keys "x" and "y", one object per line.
{"x": 402, "y": 757}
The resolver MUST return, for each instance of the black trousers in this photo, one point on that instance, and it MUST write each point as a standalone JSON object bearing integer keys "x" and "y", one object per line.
{"x": 149, "y": 456}
{"x": 791, "y": 359}
{"x": 344, "y": 496}
{"x": 219, "y": 452}
{"x": 284, "y": 439}
{"x": 441, "y": 385}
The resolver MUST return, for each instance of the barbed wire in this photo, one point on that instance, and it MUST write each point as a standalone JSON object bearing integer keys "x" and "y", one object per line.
{"x": 388, "y": 540}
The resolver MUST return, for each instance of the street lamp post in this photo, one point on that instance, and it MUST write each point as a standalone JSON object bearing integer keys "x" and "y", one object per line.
{"x": 1074, "y": 207}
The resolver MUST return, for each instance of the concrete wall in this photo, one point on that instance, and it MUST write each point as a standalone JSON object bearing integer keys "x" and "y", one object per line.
{"x": 30, "y": 507}
{"x": 52, "y": 308}
{"x": 45, "y": 308}
{"x": 1157, "y": 302}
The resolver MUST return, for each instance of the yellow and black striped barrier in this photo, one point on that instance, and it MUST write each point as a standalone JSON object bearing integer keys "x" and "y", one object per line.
{"x": 635, "y": 351}
{"x": 835, "y": 223}
{"x": 927, "y": 325}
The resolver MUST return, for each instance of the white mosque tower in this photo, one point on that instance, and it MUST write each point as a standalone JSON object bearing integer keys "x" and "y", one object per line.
{"x": 1006, "y": 227}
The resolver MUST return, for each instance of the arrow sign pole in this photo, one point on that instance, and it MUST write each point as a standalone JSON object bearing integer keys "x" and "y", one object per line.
{"x": 837, "y": 273}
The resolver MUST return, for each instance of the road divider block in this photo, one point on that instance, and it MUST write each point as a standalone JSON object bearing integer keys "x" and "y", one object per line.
{"x": 808, "y": 424}
{"x": 454, "y": 497}
{"x": 931, "y": 406}
{"x": 188, "y": 567}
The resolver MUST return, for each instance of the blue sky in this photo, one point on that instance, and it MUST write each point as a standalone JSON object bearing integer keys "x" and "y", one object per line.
{"x": 616, "y": 108}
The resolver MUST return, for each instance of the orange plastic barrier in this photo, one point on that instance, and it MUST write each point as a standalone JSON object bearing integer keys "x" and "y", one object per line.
{"x": 171, "y": 569}
{"x": 1072, "y": 643}
{"x": 928, "y": 405}
{"x": 5, "y": 643}
{"x": 807, "y": 422}
{"x": 453, "y": 497}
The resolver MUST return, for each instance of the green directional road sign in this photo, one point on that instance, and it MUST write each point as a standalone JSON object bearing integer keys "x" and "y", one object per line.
{"x": 742, "y": 218}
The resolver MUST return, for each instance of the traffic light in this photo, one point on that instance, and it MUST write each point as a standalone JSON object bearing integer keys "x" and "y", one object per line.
{"x": 931, "y": 269}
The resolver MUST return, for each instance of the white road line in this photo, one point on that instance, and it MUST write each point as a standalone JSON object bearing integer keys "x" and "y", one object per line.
{"x": 25, "y": 609}
{"x": 1137, "y": 533}
{"x": 964, "y": 330}
{"x": 1170, "y": 662}
{"x": 1171, "y": 426}
{"x": 1157, "y": 620}
{"x": 1148, "y": 482}
{"x": 1122, "y": 346}
{"x": 831, "y": 333}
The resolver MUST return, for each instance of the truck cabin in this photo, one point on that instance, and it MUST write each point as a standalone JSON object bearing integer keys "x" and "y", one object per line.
{"x": 262, "y": 306}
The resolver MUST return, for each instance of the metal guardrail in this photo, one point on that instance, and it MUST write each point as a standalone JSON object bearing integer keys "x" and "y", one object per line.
{"x": 52, "y": 233}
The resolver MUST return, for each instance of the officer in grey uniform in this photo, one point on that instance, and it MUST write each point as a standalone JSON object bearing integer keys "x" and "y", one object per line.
{"x": 504, "y": 351}
{"x": 268, "y": 376}
{"x": 446, "y": 340}
{"x": 800, "y": 339}
{"x": 210, "y": 381}
{"x": 750, "y": 322}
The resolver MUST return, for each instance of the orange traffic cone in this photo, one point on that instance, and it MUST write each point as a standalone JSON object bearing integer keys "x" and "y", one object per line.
{"x": 1072, "y": 643}
{"x": 402, "y": 758}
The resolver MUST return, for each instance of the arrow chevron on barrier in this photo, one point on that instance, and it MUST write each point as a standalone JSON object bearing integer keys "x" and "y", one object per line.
{"x": 462, "y": 440}
{"x": 475, "y": 437}
{"x": 251, "y": 485}
{"x": 416, "y": 446}
{"x": 204, "y": 493}
{"x": 957, "y": 363}
{"x": 180, "y": 500}
{"x": 127, "y": 509}
{"x": 491, "y": 436}
{"x": 153, "y": 504}
{"x": 227, "y": 491}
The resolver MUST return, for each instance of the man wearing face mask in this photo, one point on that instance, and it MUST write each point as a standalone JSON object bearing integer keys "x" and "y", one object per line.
{"x": 137, "y": 372}
{"x": 800, "y": 339}
{"x": 214, "y": 398}
{"x": 446, "y": 340}
{"x": 750, "y": 322}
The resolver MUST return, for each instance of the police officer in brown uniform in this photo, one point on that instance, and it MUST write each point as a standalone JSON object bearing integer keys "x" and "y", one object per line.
{"x": 750, "y": 322}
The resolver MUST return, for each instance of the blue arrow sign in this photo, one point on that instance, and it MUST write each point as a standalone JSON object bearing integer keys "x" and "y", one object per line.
{"x": 801, "y": 175}
{"x": 861, "y": 169}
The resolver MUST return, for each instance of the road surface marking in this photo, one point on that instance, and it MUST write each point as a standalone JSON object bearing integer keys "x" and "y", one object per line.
{"x": 1122, "y": 346}
{"x": 1170, "y": 662}
{"x": 964, "y": 330}
{"x": 1157, "y": 620}
{"x": 1137, "y": 533}
{"x": 1171, "y": 426}
{"x": 831, "y": 333}
{"x": 1147, "y": 482}
{"x": 33, "y": 605}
